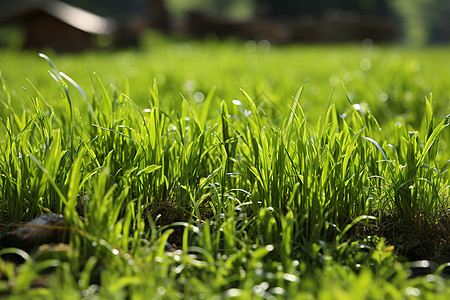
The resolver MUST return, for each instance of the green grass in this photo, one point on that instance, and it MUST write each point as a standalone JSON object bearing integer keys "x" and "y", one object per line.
{"x": 264, "y": 194}
{"x": 270, "y": 75}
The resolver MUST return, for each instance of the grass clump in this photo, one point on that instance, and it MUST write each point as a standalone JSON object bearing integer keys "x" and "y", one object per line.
{"x": 187, "y": 204}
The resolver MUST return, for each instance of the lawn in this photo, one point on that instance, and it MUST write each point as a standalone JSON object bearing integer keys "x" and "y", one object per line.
{"x": 210, "y": 170}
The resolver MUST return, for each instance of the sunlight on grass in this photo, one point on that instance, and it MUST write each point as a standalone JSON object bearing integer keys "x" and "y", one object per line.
{"x": 239, "y": 194}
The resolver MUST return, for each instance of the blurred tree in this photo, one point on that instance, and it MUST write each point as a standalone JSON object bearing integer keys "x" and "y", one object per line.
{"x": 423, "y": 20}
{"x": 235, "y": 9}
{"x": 158, "y": 15}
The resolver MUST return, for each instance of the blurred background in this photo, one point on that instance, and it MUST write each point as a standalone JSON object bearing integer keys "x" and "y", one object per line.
{"x": 122, "y": 23}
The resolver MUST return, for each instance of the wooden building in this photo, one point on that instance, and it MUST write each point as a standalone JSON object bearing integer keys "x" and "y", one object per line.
{"x": 57, "y": 25}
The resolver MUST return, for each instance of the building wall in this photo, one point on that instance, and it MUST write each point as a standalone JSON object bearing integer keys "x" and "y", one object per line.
{"x": 43, "y": 30}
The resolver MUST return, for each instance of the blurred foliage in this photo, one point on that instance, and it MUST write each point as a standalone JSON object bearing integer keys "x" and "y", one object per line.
{"x": 235, "y": 9}
{"x": 422, "y": 20}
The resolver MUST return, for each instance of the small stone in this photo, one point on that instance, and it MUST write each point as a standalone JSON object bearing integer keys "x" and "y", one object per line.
{"x": 48, "y": 228}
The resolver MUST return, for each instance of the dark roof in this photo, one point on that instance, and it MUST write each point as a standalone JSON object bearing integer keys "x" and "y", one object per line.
{"x": 71, "y": 15}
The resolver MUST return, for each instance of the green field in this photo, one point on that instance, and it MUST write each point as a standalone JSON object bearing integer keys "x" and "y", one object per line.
{"x": 211, "y": 170}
